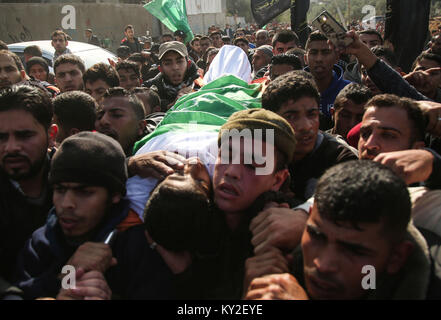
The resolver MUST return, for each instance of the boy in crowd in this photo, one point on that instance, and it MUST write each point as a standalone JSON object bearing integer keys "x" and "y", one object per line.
{"x": 98, "y": 78}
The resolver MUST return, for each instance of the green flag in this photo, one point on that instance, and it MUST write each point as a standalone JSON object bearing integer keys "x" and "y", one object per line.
{"x": 209, "y": 108}
{"x": 173, "y": 14}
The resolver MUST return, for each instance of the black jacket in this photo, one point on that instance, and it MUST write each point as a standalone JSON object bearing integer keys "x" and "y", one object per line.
{"x": 20, "y": 216}
{"x": 306, "y": 172}
{"x": 139, "y": 274}
{"x": 134, "y": 46}
{"x": 168, "y": 92}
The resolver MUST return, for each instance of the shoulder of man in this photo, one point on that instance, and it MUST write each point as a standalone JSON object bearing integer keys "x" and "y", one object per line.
{"x": 335, "y": 146}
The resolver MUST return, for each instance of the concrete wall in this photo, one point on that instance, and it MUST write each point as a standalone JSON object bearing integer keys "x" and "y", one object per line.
{"x": 201, "y": 22}
{"x": 27, "y": 22}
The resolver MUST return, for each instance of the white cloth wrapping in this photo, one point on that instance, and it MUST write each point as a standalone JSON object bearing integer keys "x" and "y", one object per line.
{"x": 229, "y": 60}
{"x": 187, "y": 144}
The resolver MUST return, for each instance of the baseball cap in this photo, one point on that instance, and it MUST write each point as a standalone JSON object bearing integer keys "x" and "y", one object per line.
{"x": 176, "y": 46}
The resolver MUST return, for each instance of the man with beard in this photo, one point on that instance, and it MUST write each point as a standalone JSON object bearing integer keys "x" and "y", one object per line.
{"x": 69, "y": 70}
{"x": 25, "y": 131}
{"x": 11, "y": 69}
{"x": 121, "y": 116}
{"x": 178, "y": 75}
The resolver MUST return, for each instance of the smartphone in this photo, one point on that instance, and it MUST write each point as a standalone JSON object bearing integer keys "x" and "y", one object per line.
{"x": 333, "y": 30}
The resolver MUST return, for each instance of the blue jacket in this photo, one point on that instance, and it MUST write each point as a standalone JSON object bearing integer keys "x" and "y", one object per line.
{"x": 327, "y": 97}
{"x": 47, "y": 251}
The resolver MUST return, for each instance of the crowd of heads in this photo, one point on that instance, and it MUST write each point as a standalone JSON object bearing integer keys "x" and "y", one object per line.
{"x": 361, "y": 209}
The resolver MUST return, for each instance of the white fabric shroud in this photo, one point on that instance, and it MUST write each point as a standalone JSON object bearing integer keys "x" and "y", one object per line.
{"x": 229, "y": 60}
{"x": 188, "y": 144}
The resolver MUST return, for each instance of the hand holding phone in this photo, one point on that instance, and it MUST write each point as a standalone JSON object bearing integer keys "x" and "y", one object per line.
{"x": 334, "y": 31}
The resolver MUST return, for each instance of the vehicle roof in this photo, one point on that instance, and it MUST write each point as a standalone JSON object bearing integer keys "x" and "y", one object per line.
{"x": 45, "y": 45}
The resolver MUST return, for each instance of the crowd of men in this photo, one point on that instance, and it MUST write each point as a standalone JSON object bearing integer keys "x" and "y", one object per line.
{"x": 354, "y": 139}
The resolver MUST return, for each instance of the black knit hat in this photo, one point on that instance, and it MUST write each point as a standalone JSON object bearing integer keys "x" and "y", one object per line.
{"x": 37, "y": 60}
{"x": 91, "y": 158}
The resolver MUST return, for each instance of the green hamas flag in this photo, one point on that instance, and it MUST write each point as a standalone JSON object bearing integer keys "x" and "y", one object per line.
{"x": 209, "y": 108}
{"x": 173, "y": 14}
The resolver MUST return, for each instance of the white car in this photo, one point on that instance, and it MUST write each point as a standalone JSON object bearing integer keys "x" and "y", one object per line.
{"x": 89, "y": 53}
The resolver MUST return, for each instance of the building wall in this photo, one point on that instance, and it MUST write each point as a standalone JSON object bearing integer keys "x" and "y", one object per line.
{"x": 27, "y": 22}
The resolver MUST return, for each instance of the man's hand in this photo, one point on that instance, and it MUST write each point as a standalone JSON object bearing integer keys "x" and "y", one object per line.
{"x": 276, "y": 287}
{"x": 277, "y": 226}
{"x": 270, "y": 262}
{"x": 360, "y": 50}
{"x": 156, "y": 164}
{"x": 424, "y": 80}
{"x": 433, "y": 112}
{"x": 414, "y": 165}
{"x": 89, "y": 286}
{"x": 184, "y": 91}
{"x": 92, "y": 256}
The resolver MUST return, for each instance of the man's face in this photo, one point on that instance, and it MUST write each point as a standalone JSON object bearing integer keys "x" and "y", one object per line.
{"x": 320, "y": 58}
{"x": 88, "y": 34}
{"x": 59, "y": 43}
{"x": 216, "y": 39}
{"x": 180, "y": 39}
{"x": 174, "y": 67}
{"x": 129, "y": 33}
{"x": 435, "y": 77}
{"x": 235, "y": 182}
{"x": 38, "y": 72}
{"x": 240, "y": 34}
{"x": 371, "y": 40}
{"x": 194, "y": 173}
{"x": 243, "y": 45}
{"x": 117, "y": 119}
{"x": 9, "y": 73}
{"x": 204, "y": 45}
{"x": 260, "y": 60}
{"x": 96, "y": 89}
{"x": 281, "y": 47}
{"x": 69, "y": 77}
{"x": 23, "y": 144}
{"x": 80, "y": 207}
{"x": 382, "y": 130}
{"x": 261, "y": 39}
{"x": 166, "y": 39}
{"x": 128, "y": 79}
{"x": 197, "y": 46}
{"x": 210, "y": 59}
{"x": 303, "y": 116}
{"x": 347, "y": 116}
{"x": 279, "y": 69}
{"x": 334, "y": 255}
